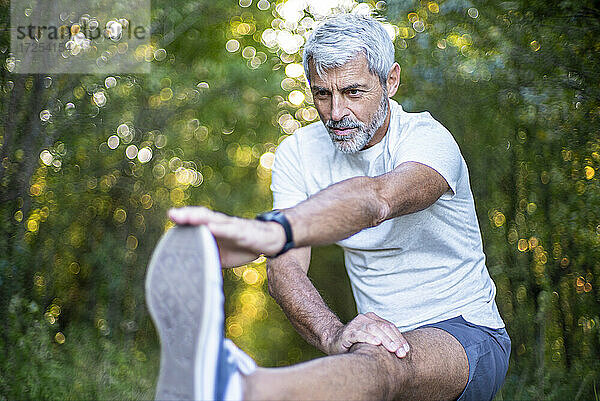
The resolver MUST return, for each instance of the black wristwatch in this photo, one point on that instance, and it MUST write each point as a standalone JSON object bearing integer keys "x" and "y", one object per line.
{"x": 278, "y": 217}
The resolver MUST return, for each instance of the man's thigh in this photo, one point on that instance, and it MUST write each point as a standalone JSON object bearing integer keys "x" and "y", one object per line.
{"x": 435, "y": 368}
{"x": 440, "y": 367}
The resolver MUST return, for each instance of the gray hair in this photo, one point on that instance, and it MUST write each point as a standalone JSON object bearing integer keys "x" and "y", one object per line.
{"x": 342, "y": 37}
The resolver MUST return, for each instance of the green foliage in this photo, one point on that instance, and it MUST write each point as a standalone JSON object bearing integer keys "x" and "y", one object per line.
{"x": 515, "y": 82}
{"x": 44, "y": 364}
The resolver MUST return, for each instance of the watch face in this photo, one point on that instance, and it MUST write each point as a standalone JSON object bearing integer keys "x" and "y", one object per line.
{"x": 271, "y": 215}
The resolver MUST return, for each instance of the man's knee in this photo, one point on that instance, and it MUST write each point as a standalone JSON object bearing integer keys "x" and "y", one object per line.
{"x": 395, "y": 373}
{"x": 379, "y": 354}
{"x": 369, "y": 350}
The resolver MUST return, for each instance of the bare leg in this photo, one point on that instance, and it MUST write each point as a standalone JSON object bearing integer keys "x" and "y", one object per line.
{"x": 436, "y": 368}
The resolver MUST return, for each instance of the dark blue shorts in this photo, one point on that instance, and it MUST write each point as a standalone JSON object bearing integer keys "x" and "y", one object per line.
{"x": 487, "y": 350}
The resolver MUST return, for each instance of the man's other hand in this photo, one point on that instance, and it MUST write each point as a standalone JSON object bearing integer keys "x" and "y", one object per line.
{"x": 240, "y": 240}
{"x": 371, "y": 329}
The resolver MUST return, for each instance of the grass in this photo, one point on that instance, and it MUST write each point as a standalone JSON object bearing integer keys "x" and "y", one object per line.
{"x": 86, "y": 366}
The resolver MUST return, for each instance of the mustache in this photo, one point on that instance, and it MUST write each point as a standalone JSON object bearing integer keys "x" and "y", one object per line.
{"x": 345, "y": 122}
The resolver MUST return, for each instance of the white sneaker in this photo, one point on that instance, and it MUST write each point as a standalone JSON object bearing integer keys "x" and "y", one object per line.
{"x": 184, "y": 293}
{"x": 233, "y": 363}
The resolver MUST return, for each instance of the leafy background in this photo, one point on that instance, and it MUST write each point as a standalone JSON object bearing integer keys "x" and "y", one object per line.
{"x": 90, "y": 164}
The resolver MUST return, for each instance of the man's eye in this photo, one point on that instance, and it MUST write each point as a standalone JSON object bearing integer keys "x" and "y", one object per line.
{"x": 353, "y": 92}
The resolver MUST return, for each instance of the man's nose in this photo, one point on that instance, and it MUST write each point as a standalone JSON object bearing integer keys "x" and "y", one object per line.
{"x": 338, "y": 107}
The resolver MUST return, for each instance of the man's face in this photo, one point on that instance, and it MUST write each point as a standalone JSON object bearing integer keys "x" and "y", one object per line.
{"x": 351, "y": 103}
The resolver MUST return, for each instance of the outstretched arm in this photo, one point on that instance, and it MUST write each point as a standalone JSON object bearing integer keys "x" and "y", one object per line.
{"x": 332, "y": 214}
{"x": 351, "y": 205}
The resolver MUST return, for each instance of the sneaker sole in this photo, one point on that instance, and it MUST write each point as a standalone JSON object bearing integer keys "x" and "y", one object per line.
{"x": 185, "y": 299}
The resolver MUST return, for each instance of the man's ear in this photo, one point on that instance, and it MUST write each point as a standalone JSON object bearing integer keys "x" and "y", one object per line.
{"x": 393, "y": 79}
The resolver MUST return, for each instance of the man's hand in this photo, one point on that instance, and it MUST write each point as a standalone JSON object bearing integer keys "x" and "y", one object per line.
{"x": 371, "y": 329}
{"x": 240, "y": 240}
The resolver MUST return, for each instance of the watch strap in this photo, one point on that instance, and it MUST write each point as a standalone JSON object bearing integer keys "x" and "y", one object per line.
{"x": 278, "y": 217}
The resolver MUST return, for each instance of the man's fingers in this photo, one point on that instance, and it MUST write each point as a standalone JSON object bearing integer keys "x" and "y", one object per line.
{"x": 394, "y": 336}
{"x": 386, "y": 340}
{"x": 372, "y": 329}
{"x": 371, "y": 334}
{"x": 392, "y": 331}
{"x": 224, "y": 230}
{"x": 359, "y": 337}
{"x": 188, "y": 215}
{"x": 195, "y": 215}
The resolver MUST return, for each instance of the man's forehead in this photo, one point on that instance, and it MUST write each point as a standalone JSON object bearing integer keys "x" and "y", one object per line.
{"x": 356, "y": 70}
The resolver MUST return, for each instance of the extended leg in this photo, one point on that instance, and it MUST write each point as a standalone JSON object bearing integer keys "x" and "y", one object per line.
{"x": 436, "y": 368}
{"x": 186, "y": 304}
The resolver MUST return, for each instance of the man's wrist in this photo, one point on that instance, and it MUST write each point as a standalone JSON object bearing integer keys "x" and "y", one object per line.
{"x": 330, "y": 336}
{"x": 278, "y": 218}
{"x": 277, "y": 236}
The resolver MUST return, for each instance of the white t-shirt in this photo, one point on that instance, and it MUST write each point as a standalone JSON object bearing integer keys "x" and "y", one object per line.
{"x": 415, "y": 269}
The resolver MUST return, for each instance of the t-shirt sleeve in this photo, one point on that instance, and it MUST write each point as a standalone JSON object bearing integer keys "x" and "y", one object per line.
{"x": 428, "y": 142}
{"x": 287, "y": 181}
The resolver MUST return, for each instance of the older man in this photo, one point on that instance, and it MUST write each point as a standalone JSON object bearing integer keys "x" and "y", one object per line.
{"x": 393, "y": 190}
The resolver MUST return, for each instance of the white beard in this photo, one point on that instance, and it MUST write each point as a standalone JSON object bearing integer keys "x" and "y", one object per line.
{"x": 353, "y": 143}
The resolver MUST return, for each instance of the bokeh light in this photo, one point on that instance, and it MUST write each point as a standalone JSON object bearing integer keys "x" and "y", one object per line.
{"x": 91, "y": 163}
